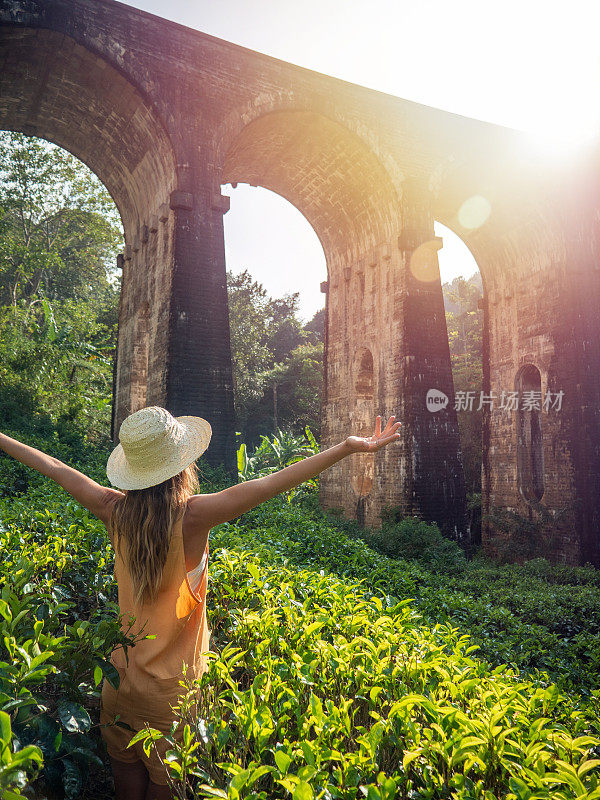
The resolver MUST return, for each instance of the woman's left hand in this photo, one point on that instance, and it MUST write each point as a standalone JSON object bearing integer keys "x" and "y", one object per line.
{"x": 379, "y": 439}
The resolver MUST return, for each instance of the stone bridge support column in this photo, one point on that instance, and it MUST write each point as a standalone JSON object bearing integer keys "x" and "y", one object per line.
{"x": 543, "y": 318}
{"x": 386, "y": 345}
{"x": 437, "y": 486}
{"x": 174, "y": 341}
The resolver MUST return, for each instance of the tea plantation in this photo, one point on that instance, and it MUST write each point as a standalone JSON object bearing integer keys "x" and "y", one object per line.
{"x": 338, "y": 671}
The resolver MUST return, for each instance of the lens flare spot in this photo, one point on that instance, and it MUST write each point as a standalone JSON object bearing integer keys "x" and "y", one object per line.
{"x": 424, "y": 263}
{"x": 474, "y": 212}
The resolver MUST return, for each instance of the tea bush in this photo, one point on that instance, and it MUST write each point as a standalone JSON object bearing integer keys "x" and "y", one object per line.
{"x": 535, "y": 624}
{"x": 338, "y": 671}
{"x": 59, "y": 622}
{"x": 323, "y": 690}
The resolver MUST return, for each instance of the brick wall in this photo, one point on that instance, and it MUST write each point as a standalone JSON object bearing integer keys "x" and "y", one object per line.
{"x": 165, "y": 115}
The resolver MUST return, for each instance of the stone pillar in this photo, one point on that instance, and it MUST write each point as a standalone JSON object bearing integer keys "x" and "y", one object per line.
{"x": 543, "y": 329}
{"x": 580, "y": 290}
{"x": 173, "y": 342}
{"x": 386, "y": 345}
{"x": 437, "y": 486}
{"x": 199, "y": 377}
{"x": 132, "y": 339}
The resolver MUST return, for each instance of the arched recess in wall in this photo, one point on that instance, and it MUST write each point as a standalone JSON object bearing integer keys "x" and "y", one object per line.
{"x": 54, "y": 88}
{"x": 530, "y": 451}
{"x": 362, "y": 465}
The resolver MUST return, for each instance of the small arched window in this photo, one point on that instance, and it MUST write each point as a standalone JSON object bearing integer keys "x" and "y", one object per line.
{"x": 363, "y": 384}
{"x": 530, "y": 451}
{"x": 363, "y": 465}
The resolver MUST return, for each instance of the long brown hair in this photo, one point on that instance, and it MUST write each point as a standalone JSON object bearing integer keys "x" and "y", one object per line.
{"x": 145, "y": 519}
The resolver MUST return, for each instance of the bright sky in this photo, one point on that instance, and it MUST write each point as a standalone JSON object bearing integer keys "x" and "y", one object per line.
{"x": 527, "y": 64}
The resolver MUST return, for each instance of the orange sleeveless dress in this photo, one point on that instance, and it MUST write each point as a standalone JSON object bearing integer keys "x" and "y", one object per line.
{"x": 150, "y": 682}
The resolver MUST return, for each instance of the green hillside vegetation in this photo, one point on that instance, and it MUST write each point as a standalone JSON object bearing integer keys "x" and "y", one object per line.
{"x": 336, "y": 666}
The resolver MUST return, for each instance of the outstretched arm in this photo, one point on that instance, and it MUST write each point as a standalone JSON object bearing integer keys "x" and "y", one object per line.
{"x": 91, "y": 495}
{"x": 212, "y": 509}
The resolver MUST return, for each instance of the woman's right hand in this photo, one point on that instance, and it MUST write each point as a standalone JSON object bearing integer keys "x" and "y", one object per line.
{"x": 379, "y": 439}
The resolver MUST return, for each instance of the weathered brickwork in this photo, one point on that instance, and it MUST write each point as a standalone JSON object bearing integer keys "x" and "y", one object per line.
{"x": 165, "y": 115}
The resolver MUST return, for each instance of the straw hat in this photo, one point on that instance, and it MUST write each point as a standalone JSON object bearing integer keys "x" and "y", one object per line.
{"x": 154, "y": 446}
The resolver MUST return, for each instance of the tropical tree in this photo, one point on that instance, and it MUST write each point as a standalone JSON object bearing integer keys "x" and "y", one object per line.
{"x": 465, "y": 335}
{"x": 59, "y": 289}
{"x": 277, "y": 362}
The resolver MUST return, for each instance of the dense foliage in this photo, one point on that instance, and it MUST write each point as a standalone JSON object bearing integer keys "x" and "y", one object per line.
{"x": 277, "y": 362}
{"x": 328, "y": 690}
{"x": 59, "y": 290}
{"x": 464, "y": 321}
{"x": 343, "y": 658}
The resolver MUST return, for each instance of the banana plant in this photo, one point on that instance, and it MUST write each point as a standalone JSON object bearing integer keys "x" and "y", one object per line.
{"x": 276, "y": 452}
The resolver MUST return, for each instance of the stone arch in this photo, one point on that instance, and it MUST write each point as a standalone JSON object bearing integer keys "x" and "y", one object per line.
{"x": 53, "y": 87}
{"x": 522, "y": 228}
{"x": 57, "y": 89}
{"x": 530, "y": 450}
{"x": 324, "y": 169}
{"x": 338, "y": 183}
{"x": 228, "y": 130}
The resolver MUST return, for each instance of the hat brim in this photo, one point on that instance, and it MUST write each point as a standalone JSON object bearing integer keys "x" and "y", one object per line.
{"x": 196, "y": 438}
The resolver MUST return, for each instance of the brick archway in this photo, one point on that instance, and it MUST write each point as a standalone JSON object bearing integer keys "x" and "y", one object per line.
{"x": 338, "y": 183}
{"x": 164, "y": 114}
{"x": 55, "y": 88}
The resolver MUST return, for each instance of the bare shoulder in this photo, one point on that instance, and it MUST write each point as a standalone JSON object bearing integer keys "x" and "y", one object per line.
{"x": 198, "y": 512}
{"x": 111, "y": 496}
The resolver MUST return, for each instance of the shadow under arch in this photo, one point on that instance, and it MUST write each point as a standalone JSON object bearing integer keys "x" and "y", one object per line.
{"x": 54, "y": 88}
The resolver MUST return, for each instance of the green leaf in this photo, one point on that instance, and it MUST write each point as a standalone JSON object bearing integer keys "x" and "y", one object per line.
{"x": 5, "y": 728}
{"x": 520, "y": 788}
{"x": 283, "y": 761}
{"x": 74, "y": 717}
{"x": 239, "y": 781}
{"x": 258, "y": 773}
{"x": 587, "y": 766}
{"x": 409, "y": 757}
{"x": 141, "y": 736}
{"x": 72, "y": 779}
{"x": 242, "y": 459}
{"x": 110, "y": 672}
{"x": 303, "y": 791}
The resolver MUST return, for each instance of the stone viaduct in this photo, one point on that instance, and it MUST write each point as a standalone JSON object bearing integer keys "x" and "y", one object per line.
{"x": 165, "y": 115}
